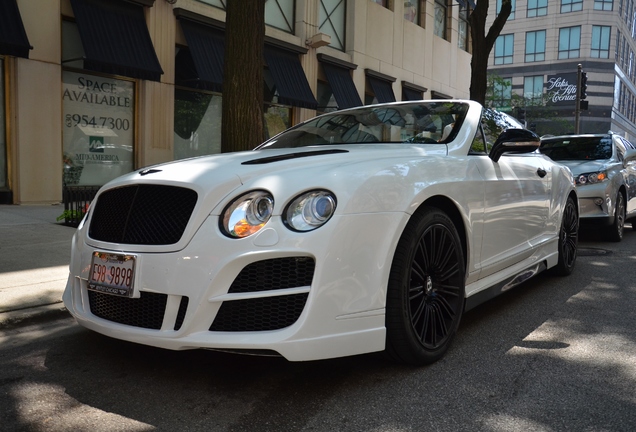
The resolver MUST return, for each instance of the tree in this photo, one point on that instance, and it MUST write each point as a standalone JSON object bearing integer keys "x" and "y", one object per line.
{"x": 242, "y": 106}
{"x": 482, "y": 45}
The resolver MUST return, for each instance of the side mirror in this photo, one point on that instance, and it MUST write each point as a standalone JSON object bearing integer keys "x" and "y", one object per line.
{"x": 514, "y": 141}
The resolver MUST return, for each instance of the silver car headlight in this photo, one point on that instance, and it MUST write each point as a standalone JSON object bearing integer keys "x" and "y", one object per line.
{"x": 247, "y": 214}
{"x": 310, "y": 210}
{"x": 591, "y": 178}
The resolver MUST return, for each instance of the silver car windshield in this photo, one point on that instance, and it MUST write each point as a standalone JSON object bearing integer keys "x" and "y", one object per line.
{"x": 578, "y": 148}
{"x": 415, "y": 122}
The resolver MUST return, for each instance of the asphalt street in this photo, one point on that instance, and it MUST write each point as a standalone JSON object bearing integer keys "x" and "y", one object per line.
{"x": 554, "y": 354}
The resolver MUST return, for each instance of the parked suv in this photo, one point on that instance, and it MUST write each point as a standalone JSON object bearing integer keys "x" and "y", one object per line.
{"x": 604, "y": 168}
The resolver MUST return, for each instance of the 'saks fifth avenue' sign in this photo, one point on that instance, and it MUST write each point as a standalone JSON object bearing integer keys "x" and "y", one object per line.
{"x": 561, "y": 89}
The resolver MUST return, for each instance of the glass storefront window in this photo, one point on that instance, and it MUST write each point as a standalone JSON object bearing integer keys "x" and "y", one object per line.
{"x": 277, "y": 119}
{"x": 3, "y": 134}
{"x": 98, "y": 132}
{"x": 197, "y": 123}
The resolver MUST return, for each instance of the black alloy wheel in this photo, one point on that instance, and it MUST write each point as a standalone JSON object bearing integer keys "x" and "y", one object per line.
{"x": 568, "y": 240}
{"x": 615, "y": 231}
{"x": 425, "y": 298}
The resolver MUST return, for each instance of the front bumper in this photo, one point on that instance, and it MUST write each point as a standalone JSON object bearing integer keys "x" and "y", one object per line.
{"x": 596, "y": 204}
{"x": 340, "y": 313}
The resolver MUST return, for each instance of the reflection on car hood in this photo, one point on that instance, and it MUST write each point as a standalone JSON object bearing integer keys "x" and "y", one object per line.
{"x": 286, "y": 170}
{"x": 580, "y": 167}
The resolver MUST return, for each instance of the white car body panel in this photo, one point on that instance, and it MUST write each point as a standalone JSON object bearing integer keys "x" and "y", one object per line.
{"x": 510, "y": 215}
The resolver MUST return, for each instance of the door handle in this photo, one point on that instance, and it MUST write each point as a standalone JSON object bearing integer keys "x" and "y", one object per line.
{"x": 541, "y": 172}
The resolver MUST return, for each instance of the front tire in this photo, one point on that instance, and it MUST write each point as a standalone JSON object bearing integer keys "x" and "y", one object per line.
{"x": 615, "y": 231}
{"x": 425, "y": 296}
{"x": 568, "y": 240}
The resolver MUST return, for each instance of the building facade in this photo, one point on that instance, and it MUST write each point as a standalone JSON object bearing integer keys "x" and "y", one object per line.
{"x": 536, "y": 58}
{"x": 93, "y": 89}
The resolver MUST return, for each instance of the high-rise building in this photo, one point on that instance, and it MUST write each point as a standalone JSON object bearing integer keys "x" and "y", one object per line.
{"x": 535, "y": 61}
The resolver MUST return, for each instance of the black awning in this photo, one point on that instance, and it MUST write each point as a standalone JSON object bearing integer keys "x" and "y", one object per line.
{"x": 291, "y": 82}
{"x": 409, "y": 94}
{"x": 342, "y": 86}
{"x": 13, "y": 37}
{"x": 382, "y": 89}
{"x": 207, "y": 48}
{"x": 115, "y": 38}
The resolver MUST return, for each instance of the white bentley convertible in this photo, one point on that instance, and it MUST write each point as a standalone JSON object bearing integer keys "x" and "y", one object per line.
{"x": 363, "y": 230}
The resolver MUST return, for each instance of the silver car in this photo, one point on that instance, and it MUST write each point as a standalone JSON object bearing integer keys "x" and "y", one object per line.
{"x": 604, "y": 169}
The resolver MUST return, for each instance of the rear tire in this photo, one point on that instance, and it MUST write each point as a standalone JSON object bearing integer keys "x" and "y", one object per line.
{"x": 568, "y": 240}
{"x": 425, "y": 296}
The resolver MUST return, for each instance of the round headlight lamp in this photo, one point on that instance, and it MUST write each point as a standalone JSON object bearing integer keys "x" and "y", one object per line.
{"x": 310, "y": 210}
{"x": 247, "y": 214}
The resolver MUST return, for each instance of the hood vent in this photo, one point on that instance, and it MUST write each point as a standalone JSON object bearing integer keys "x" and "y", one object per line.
{"x": 287, "y": 156}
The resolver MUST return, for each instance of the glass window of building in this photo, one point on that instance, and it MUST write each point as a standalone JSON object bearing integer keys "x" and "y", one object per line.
{"x": 440, "y": 17}
{"x": 277, "y": 116}
{"x": 98, "y": 119}
{"x": 570, "y": 42}
{"x": 412, "y": 11}
{"x": 600, "y": 41}
{"x": 535, "y": 46}
{"x": 326, "y": 99}
{"x": 463, "y": 35}
{"x": 605, "y": 5}
{"x": 502, "y": 93}
{"x": 533, "y": 88}
{"x": 537, "y": 8}
{"x": 197, "y": 123}
{"x": 504, "y": 47}
{"x": 512, "y": 11}
{"x": 331, "y": 18}
{"x": 571, "y": 5}
{"x": 280, "y": 14}
{"x": 384, "y": 3}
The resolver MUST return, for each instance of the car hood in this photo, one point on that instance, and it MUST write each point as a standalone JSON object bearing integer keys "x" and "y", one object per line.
{"x": 579, "y": 167}
{"x": 284, "y": 172}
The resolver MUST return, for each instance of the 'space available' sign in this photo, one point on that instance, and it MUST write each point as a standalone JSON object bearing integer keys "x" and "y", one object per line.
{"x": 98, "y": 128}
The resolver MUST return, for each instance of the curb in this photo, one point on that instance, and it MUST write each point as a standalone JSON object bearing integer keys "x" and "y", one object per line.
{"x": 35, "y": 315}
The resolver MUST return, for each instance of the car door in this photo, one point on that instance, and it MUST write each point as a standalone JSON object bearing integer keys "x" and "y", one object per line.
{"x": 516, "y": 190}
{"x": 630, "y": 174}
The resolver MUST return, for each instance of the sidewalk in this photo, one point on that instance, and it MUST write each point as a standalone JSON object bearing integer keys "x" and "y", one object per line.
{"x": 35, "y": 251}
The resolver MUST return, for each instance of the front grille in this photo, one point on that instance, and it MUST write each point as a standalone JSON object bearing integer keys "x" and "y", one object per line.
{"x": 145, "y": 312}
{"x": 271, "y": 274}
{"x": 142, "y": 214}
{"x": 259, "y": 314}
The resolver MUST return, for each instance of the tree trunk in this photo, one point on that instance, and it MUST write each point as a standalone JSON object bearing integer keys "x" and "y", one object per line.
{"x": 482, "y": 45}
{"x": 242, "y": 106}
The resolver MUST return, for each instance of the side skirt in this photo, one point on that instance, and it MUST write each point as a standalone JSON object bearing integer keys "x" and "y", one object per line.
{"x": 503, "y": 286}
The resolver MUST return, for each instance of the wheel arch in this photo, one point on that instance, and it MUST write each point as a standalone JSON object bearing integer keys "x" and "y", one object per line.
{"x": 449, "y": 207}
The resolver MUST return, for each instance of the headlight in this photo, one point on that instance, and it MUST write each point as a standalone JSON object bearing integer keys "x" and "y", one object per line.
{"x": 247, "y": 214}
{"x": 591, "y": 178}
{"x": 310, "y": 210}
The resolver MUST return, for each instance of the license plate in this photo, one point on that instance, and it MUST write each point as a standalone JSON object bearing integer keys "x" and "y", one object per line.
{"x": 112, "y": 274}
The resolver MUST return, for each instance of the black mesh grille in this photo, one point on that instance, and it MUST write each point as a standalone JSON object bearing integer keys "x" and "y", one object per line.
{"x": 146, "y": 311}
{"x": 260, "y": 314}
{"x": 279, "y": 273}
{"x": 142, "y": 214}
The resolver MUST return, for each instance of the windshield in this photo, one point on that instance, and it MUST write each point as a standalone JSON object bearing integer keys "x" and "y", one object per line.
{"x": 417, "y": 122}
{"x": 578, "y": 148}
